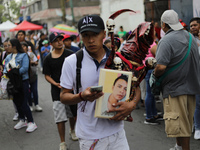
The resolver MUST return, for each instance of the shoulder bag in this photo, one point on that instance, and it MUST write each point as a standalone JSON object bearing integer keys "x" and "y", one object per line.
{"x": 155, "y": 83}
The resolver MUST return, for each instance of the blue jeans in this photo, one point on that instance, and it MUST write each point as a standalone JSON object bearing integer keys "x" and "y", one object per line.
{"x": 33, "y": 93}
{"x": 150, "y": 104}
{"x": 197, "y": 113}
{"x": 21, "y": 102}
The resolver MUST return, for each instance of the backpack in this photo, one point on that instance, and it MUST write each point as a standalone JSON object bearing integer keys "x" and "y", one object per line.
{"x": 79, "y": 56}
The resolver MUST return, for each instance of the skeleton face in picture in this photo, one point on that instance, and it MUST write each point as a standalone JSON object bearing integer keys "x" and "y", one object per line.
{"x": 110, "y": 25}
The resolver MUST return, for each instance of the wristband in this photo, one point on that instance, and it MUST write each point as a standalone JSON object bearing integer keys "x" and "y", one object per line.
{"x": 81, "y": 96}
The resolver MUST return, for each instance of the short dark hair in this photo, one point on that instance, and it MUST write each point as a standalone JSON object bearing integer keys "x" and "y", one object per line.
{"x": 41, "y": 35}
{"x": 24, "y": 43}
{"x": 73, "y": 37}
{"x": 123, "y": 77}
{"x": 195, "y": 19}
{"x": 116, "y": 41}
{"x": 108, "y": 40}
{"x": 6, "y": 40}
{"x": 15, "y": 42}
{"x": 21, "y": 31}
{"x": 167, "y": 26}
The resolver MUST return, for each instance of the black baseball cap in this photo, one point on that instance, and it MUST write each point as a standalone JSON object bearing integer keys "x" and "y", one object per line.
{"x": 54, "y": 36}
{"x": 92, "y": 23}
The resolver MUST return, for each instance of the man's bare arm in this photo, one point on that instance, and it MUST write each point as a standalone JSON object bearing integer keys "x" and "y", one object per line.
{"x": 50, "y": 80}
{"x": 67, "y": 97}
{"x": 159, "y": 70}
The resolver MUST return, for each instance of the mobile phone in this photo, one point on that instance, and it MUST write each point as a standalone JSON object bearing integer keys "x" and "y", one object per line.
{"x": 96, "y": 88}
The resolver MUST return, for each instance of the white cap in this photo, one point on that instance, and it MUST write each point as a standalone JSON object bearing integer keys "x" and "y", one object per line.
{"x": 170, "y": 17}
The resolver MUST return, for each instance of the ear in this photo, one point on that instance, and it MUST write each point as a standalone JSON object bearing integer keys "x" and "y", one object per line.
{"x": 162, "y": 25}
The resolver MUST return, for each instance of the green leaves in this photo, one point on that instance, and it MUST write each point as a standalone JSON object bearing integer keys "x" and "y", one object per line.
{"x": 15, "y": 8}
{"x": 9, "y": 10}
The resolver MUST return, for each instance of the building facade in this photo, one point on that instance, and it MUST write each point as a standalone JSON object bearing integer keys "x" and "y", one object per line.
{"x": 155, "y": 8}
{"x": 49, "y": 12}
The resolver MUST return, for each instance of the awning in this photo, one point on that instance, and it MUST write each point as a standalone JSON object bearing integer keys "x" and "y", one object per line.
{"x": 25, "y": 25}
{"x": 7, "y": 26}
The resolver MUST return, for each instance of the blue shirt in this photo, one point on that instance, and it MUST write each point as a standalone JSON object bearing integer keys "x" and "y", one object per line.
{"x": 43, "y": 48}
{"x": 74, "y": 49}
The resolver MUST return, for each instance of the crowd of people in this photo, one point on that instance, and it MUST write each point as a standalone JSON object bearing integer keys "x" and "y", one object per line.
{"x": 58, "y": 58}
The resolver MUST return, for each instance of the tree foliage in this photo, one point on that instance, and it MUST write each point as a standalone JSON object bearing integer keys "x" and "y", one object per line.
{"x": 1, "y": 11}
{"x": 15, "y": 8}
{"x": 9, "y": 10}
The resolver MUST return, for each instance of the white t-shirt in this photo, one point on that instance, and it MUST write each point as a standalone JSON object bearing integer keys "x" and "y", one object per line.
{"x": 87, "y": 126}
{"x": 32, "y": 56}
{"x": 74, "y": 44}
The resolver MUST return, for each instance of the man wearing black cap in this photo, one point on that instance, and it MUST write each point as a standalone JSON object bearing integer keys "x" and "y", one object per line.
{"x": 103, "y": 134}
{"x": 52, "y": 70}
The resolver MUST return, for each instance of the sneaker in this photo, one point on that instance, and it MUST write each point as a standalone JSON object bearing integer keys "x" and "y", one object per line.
{"x": 197, "y": 135}
{"x": 158, "y": 118}
{"x": 31, "y": 108}
{"x": 73, "y": 135}
{"x": 63, "y": 146}
{"x": 176, "y": 148}
{"x": 15, "y": 118}
{"x": 31, "y": 127}
{"x": 151, "y": 121}
{"x": 158, "y": 113}
{"x": 20, "y": 125}
{"x": 157, "y": 99}
{"x": 38, "y": 108}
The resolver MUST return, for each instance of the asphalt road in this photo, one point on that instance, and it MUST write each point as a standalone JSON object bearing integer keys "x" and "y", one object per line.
{"x": 139, "y": 135}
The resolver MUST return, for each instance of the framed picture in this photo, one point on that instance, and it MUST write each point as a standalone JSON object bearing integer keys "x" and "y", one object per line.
{"x": 116, "y": 87}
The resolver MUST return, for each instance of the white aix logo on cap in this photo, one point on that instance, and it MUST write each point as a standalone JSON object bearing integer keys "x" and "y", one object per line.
{"x": 87, "y": 20}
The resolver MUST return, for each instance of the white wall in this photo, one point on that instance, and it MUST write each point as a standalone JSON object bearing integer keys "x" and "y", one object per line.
{"x": 128, "y": 20}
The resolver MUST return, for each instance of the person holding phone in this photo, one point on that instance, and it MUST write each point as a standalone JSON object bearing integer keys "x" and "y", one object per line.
{"x": 93, "y": 133}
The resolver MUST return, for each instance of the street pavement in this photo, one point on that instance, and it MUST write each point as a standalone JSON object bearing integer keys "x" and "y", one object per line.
{"x": 139, "y": 135}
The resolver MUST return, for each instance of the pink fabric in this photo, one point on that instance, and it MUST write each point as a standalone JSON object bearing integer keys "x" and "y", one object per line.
{"x": 149, "y": 54}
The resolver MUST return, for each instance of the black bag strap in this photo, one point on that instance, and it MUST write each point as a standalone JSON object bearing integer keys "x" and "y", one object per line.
{"x": 79, "y": 56}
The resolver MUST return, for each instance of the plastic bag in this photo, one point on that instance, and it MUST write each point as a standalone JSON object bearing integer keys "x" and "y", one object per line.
{"x": 3, "y": 89}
